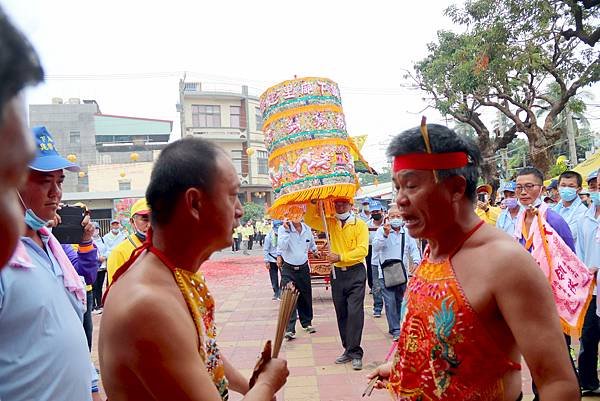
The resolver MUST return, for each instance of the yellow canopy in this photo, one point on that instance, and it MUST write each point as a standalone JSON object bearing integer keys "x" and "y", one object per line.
{"x": 584, "y": 168}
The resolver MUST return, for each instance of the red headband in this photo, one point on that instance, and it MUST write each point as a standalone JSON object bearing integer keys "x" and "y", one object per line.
{"x": 434, "y": 161}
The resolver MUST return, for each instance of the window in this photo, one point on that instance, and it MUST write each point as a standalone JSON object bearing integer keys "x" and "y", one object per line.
{"x": 74, "y": 138}
{"x": 234, "y": 116}
{"x": 204, "y": 116}
{"x": 236, "y": 158}
{"x": 263, "y": 159}
{"x": 124, "y": 185}
{"x": 259, "y": 120}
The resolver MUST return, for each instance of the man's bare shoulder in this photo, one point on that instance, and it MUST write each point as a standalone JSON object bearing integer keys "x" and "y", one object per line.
{"x": 503, "y": 256}
{"x": 138, "y": 310}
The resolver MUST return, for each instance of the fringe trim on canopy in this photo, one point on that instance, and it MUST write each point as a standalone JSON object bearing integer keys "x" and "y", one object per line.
{"x": 278, "y": 209}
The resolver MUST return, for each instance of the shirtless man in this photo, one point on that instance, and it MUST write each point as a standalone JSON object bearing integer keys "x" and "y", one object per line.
{"x": 467, "y": 315}
{"x": 157, "y": 342}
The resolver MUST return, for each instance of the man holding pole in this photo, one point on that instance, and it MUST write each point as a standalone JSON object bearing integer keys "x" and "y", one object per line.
{"x": 349, "y": 243}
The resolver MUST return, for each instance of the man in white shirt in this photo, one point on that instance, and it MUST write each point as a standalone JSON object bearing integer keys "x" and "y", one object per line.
{"x": 570, "y": 207}
{"x": 294, "y": 240}
{"x": 393, "y": 242}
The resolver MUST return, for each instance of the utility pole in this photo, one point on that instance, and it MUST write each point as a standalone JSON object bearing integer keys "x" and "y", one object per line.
{"x": 571, "y": 138}
{"x": 181, "y": 107}
{"x": 248, "y": 143}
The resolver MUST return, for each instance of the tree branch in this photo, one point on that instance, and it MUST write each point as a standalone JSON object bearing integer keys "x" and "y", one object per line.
{"x": 579, "y": 32}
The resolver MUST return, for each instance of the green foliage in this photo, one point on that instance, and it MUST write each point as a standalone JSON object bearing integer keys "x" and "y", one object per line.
{"x": 253, "y": 211}
{"x": 505, "y": 54}
{"x": 557, "y": 169}
{"x": 385, "y": 175}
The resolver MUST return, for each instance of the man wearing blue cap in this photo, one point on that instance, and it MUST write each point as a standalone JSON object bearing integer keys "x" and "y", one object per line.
{"x": 588, "y": 250}
{"x": 19, "y": 67}
{"x": 270, "y": 257}
{"x": 42, "y": 296}
{"x": 372, "y": 260}
{"x": 508, "y": 217}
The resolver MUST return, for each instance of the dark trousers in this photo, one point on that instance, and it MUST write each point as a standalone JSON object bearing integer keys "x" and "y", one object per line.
{"x": 588, "y": 353}
{"x": 235, "y": 245}
{"x": 348, "y": 291}
{"x": 274, "y": 275}
{"x": 250, "y": 241}
{"x": 88, "y": 326}
{"x": 97, "y": 289}
{"x": 261, "y": 239}
{"x": 301, "y": 279}
{"x": 369, "y": 268}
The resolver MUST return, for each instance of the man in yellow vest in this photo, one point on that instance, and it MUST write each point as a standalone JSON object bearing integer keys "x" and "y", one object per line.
{"x": 140, "y": 222}
{"x": 487, "y": 213}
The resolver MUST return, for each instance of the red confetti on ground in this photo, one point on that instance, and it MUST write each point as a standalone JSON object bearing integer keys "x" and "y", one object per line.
{"x": 231, "y": 271}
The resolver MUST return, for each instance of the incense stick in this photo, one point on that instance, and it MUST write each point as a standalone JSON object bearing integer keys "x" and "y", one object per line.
{"x": 369, "y": 390}
{"x": 425, "y": 135}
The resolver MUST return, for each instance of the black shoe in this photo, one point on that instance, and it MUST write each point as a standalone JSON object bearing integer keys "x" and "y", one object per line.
{"x": 290, "y": 336}
{"x": 343, "y": 359}
{"x": 590, "y": 392}
{"x": 357, "y": 363}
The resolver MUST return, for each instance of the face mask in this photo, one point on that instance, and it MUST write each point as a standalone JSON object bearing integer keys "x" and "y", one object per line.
{"x": 510, "y": 203}
{"x": 115, "y": 231}
{"x": 567, "y": 194}
{"x": 141, "y": 236}
{"x": 535, "y": 203}
{"x": 396, "y": 223}
{"x": 595, "y": 197}
{"x": 33, "y": 221}
{"x": 342, "y": 216}
{"x": 376, "y": 216}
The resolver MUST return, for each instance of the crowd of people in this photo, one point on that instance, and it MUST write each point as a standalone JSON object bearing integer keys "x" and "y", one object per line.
{"x": 463, "y": 313}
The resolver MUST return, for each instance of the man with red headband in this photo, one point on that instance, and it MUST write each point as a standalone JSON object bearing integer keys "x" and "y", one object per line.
{"x": 466, "y": 317}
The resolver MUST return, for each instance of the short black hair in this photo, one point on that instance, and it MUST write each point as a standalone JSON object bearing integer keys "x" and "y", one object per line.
{"x": 571, "y": 174}
{"x": 531, "y": 171}
{"x": 442, "y": 140}
{"x": 19, "y": 63}
{"x": 186, "y": 163}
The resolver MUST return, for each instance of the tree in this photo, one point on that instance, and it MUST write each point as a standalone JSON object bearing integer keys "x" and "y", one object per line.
{"x": 509, "y": 52}
{"x": 369, "y": 179}
{"x": 586, "y": 32}
{"x": 253, "y": 211}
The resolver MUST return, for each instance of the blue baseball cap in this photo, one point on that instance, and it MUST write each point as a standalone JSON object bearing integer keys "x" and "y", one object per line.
{"x": 553, "y": 184}
{"x": 510, "y": 186}
{"x": 365, "y": 201}
{"x": 591, "y": 176}
{"x": 374, "y": 205}
{"x": 47, "y": 158}
{"x": 277, "y": 223}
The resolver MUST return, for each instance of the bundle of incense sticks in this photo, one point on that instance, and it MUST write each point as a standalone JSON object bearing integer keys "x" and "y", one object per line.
{"x": 286, "y": 307}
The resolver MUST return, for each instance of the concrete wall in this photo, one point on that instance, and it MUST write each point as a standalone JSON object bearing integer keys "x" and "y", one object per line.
{"x": 105, "y": 178}
{"x": 61, "y": 120}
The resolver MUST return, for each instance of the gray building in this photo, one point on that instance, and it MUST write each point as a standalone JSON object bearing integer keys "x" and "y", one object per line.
{"x": 95, "y": 139}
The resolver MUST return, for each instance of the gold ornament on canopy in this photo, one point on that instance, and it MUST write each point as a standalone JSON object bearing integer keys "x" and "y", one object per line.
{"x": 81, "y": 174}
{"x": 72, "y": 158}
{"x": 250, "y": 151}
{"x": 134, "y": 156}
{"x": 122, "y": 173}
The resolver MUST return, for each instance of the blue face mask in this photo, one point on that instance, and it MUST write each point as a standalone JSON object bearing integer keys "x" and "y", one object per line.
{"x": 595, "y": 197}
{"x": 396, "y": 223}
{"x": 33, "y": 221}
{"x": 567, "y": 194}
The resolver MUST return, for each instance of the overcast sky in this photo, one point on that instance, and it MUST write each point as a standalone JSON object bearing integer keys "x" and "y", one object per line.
{"x": 129, "y": 55}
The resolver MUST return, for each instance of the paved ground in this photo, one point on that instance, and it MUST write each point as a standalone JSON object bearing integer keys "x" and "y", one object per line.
{"x": 246, "y": 317}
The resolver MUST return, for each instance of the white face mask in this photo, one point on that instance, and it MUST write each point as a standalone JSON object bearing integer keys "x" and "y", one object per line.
{"x": 342, "y": 216}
